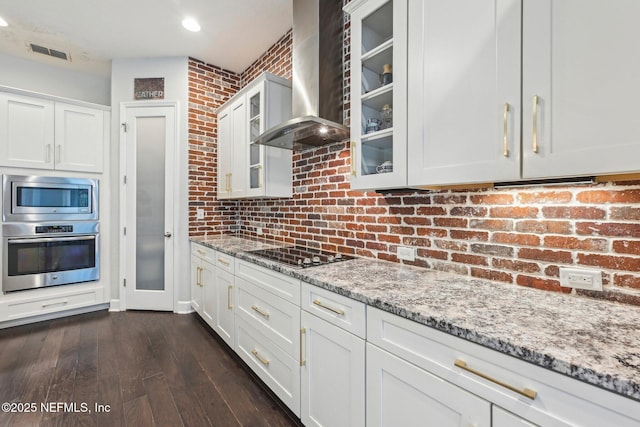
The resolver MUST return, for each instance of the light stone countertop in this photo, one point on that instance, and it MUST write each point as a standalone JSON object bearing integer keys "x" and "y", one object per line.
{"x": 594, "y": 341}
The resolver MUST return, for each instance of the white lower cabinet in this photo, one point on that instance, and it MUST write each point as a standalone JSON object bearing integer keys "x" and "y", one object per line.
{"x": 404, "y": 356}
{"x": 401, "y": 394}
{"x": 267, "y": 329}
{"x": 279, "y": 371}
{"x": 332, "y": 372}
{"x": 203, "y": 294}
{"x": 336, "y": 362}
{"x": 223, "y": 315}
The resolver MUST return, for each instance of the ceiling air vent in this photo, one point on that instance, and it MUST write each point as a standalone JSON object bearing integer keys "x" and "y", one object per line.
{"x": 49, "y": 52}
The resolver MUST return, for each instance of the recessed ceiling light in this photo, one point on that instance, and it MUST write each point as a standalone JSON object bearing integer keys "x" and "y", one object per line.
{"x": 191, "y": 24}
{"x": 3, "y": 23}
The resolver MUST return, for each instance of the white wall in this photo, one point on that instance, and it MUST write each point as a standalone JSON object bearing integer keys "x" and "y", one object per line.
{"x": 175, "y": 73}
{"x": 43, "y": 78}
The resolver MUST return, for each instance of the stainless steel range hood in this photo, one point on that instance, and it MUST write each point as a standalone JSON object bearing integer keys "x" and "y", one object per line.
{"x": 316, "y": 79}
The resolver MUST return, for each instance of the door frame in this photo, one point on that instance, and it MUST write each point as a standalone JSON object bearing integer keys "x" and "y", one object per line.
{"x": 124, "y": 106}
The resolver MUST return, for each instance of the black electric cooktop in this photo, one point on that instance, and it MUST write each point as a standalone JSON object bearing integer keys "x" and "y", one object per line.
{"x": 301, "y": 256}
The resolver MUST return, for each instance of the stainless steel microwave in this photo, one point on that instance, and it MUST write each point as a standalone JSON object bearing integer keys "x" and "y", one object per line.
{"x": 42, "y": 198}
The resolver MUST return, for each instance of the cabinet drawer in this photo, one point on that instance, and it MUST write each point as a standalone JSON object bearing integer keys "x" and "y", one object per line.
{"x": 275, "y": 318}
{"x": 278, "y": 284}
{"x": 52, "y": 304}
{"x": 203, "y": 252}
{"x": 559, "y": 400}
{"x": 225, "y": 262}
{"x": 339, "y": 310}
{"x": 275, "y": 367}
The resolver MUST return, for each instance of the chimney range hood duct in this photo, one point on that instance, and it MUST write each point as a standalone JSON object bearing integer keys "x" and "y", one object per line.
{"x": 316, "y": 79}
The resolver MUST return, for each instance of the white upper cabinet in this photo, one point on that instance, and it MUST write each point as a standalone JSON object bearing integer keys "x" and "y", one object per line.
{"x": 246, "y": 169}
{"x": 378, "y": 93}
{"x": 580, "y": 58}
{"x": 43, "y": 134}
{"x": 575, "y": 93}
{"x": 26, "y": 131}
{"x": 79, "y": 138}
{"x": 464, "y": 97}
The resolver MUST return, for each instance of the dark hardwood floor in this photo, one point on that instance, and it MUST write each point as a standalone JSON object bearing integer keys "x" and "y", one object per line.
{"x": 150, "y": 368}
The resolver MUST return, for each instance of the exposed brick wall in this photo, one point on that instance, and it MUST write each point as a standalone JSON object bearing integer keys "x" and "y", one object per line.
{"x": 519, "y": 236}
{"x": 209, "y": 88}
{"x": 276, "y": 60}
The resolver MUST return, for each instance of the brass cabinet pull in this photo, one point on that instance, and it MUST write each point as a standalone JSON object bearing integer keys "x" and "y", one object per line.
{"x": 353, "y": 158}
{"x": 229, "y": 305}
{"x": 338, "y": 311}
{"x": 259, "y": 176}
{"x": 201, "y": 252}
{"x": 57, "y": 157}
{"x": 48, "y": 158}
{"x": 199, "y": 276}
{"x": 260, "y": 358}
{"x": 230, "y": 182}
{"x": 505, "y": 132}
{"x": 303, "y": 362}
{"x": 260, "y": 311}
{"x": 531, "y": 394}
{"x": 224, "y": 262}
{"x": 535, "y": 123}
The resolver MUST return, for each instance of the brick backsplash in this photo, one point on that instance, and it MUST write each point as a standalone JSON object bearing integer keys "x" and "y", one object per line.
{"x": 519, "y": 236}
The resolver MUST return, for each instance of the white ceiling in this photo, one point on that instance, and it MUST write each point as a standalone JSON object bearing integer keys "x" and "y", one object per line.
{"x": 93, "y": 32}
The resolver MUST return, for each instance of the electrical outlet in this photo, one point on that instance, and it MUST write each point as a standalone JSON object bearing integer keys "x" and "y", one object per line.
{"x": 199, "y": 213}
{"x": 579, "y": 278}
{"x": 259, "y": 231}
{"x": 406, "y": 253}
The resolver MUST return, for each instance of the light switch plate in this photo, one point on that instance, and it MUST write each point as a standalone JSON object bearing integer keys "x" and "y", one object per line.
{"x": 199, "y": 213}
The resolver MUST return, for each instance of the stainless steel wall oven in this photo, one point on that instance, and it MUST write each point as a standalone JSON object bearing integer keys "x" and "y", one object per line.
{"x": 37, "y": 255}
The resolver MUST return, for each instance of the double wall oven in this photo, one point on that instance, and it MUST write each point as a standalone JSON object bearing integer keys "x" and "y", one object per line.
{"x": 50, "y": 231}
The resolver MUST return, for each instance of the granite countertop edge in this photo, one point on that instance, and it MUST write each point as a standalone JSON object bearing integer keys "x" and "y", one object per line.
{"x": 608, "y": 381}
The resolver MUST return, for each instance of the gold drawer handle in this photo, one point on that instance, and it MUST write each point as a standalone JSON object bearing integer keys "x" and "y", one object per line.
{"x": 260, "y": 311}
{"x": 531, "y": 394}
{"x": 303, "y": 332}
{"x": 201, "y": 252}
{"x": 535, "y": 124}
{"x": 224, "y": 262}
{"x": 354, "y": 171}
{"x": 229, "y": 304}
{"x": 260, "y": 358}
{"x": 505, "y": 131}
{"x": 338, "y": 311}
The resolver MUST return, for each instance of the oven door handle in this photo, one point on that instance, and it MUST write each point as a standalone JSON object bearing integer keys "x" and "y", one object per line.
{"x": 52, "y": 239}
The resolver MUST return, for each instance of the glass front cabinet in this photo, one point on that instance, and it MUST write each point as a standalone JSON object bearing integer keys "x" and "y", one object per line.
{"x": 253, "y": 170}
{"x": 378, "y": 93}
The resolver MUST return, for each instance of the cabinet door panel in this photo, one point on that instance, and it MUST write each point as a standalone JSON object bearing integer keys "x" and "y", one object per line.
{"x": 26, "y": 132}
{"x": 401, "y": 394}
{"x": 196, "y": 289}
{"x": 577, "y": 58}
{"x": 464, "y": 63}
{"x": 332, "y": 377}
{"x": 224, "y": 153}
{"x": 79, "y": 138}
{"x": 224, "y": 311}
{"x": 208, "y": 307}
{"x": 239, "y": 173}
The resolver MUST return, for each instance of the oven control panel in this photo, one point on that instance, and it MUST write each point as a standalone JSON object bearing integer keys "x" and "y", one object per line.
{"x": 47, "y": 229}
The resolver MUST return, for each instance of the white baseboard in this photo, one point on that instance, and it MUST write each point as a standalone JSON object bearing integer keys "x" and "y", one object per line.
{"x": 183, "y": 307}
{"x": 115, "y": 305}
{"x": 50, "y": 316}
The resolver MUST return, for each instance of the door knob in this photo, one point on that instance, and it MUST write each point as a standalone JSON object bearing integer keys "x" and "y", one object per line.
{"x": 167, "y": 234}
